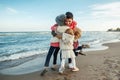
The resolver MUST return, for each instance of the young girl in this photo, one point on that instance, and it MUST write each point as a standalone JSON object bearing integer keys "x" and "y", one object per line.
{"x": 54, "y": 45}
{"x": 66, "y": 47}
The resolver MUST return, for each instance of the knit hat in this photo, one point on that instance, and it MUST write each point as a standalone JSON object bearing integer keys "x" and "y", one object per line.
{"x": 60, "y": 19}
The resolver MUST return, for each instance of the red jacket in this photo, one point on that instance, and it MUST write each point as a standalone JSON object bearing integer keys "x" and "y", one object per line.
{"x": 72, "y": 26}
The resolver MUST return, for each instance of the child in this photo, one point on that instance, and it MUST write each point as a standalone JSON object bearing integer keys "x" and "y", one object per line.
{"x": 77, "y": 48}
{"x": 54, "y": 45}
{"x": 66, "y": 47}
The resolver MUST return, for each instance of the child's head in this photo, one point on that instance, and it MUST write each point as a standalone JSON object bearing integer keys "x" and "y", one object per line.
{"x": 60, "y": 19}
{"x": 69, "y": 31}
{"x": 77, "y": 33}
{"x": 69, "y": 18}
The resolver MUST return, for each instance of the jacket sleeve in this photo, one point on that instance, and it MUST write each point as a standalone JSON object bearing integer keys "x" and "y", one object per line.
{"x": 53, "y": 33}
{"x": 53, "y": 30}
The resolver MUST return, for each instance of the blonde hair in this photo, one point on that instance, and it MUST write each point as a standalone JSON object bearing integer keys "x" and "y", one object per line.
{"x": 69, "y": 31}
{"x": 77, "y": 32}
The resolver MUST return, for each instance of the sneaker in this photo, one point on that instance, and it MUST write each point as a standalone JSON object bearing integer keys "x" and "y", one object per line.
{"x": 60, "y": 72}
{"x": 75, "y": 69}
{"x": 43, "y": 72}
{"x": 81, "y": 53}
{"x": 54, "y": 67}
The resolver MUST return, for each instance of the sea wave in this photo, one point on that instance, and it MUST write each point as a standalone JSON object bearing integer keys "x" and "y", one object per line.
{"x": 21, "y": 54}
{"x": 16, "y": 48}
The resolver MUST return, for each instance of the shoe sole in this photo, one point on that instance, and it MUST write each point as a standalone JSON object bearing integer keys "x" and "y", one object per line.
{"x": 43, "y": 72}
{"x": 75, "y": 70}
{"x": 53, "y": 69}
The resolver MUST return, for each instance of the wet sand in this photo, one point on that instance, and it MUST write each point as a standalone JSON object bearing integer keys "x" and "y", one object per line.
{"x": 97, "y": 65}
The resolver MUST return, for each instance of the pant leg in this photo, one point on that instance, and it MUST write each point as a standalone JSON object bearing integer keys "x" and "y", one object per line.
{"x": 50, "y": 52}
{"x": 79, "y": 48}
{"x": 60, "y": 55}
{"x": 76, "y": 53}
{"x": 62, "y": 66}
{"x": 55, "y": 55}
{"x": 73, "y": 62}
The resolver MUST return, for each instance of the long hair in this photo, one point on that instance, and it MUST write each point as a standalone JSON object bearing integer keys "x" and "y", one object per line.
{"x": 77, "y": 32}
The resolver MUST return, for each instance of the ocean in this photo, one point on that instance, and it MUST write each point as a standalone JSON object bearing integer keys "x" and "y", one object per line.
{"x": 25, "y": 52}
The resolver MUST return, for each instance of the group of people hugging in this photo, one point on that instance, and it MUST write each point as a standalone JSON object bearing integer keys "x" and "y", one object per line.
{"x": 64, "y": 41}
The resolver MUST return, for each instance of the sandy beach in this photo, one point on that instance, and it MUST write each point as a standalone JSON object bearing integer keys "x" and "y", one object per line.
{"x": 97, "y": 65}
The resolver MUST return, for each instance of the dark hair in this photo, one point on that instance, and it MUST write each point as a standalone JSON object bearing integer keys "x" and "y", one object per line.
{"x": 69, "y": 15}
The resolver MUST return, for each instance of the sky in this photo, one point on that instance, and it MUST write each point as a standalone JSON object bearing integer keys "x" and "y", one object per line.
{"x": 39, "y": 15}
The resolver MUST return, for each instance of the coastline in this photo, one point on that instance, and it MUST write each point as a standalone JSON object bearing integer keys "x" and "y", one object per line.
{"x": 97, "y": 65}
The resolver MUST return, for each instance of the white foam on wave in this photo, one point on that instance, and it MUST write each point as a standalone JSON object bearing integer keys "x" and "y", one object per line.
{"x": 112, "y": 41}
{"x": 21, "y": 55}
{"x": 98, "y": 45}
{"x": 27, "y": 67}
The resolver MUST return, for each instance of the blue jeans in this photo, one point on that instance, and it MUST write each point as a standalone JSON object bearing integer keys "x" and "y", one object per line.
{"x": 54, "y": 51}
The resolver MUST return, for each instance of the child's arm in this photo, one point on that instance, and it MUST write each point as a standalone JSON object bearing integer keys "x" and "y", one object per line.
{"x": 53, "y": 32}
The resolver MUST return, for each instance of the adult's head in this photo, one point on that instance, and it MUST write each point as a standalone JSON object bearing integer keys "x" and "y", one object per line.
{"x": 69, "y": 15}
{"x": 69, "y": 18}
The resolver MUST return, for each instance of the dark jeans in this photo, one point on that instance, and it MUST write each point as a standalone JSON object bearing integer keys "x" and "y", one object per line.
{"x": 54, "y": 51}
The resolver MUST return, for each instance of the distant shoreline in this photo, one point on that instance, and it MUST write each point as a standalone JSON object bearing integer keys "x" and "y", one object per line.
{"x": 113, "y": 31}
